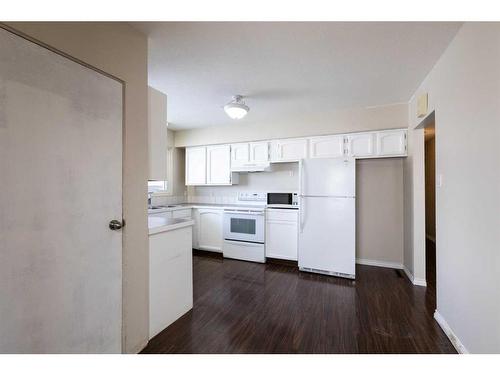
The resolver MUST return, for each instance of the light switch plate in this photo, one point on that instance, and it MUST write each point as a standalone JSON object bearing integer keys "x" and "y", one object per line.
{"x": 439, "y": 180}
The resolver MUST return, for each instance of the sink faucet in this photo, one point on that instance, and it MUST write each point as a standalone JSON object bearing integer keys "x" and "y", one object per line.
{"x": 150, "y": 198}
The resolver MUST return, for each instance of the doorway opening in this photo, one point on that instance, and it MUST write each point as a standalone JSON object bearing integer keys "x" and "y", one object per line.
{"x": 430, "y": 204}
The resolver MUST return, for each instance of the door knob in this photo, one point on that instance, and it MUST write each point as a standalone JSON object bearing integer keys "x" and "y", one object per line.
{"x": 116, "y": 224}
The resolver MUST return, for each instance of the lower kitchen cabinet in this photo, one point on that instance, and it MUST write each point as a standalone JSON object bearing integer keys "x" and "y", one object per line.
{"x": 207, "y": 234}
{"x": 282, "y": 234}
{"x": 170, "y": 277}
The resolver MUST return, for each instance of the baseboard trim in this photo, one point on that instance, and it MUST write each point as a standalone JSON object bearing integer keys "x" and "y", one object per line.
{"x": 379, "y": 263}
{"x": 419, "y": 282}
{"x": 461, "y": 349}
{"x": 414, "y": 280}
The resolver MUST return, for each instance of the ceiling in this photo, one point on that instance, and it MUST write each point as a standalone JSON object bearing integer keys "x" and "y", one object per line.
{"x": 288, "y": 70}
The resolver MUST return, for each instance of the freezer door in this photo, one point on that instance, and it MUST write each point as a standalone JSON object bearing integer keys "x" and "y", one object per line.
{"x": 328, "y": 177}
{"x": 327, "y": 240}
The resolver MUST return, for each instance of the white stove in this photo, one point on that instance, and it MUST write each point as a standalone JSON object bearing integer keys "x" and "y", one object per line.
{"x": 244, "y": 226}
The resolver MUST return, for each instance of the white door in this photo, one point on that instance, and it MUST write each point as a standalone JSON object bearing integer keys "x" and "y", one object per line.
{"x": 328, "y": 177}
{"x": 290, "y": 149}
{"x": 219, "y": 165}
{"x": 259, "y": 152}
{"x": 327, "y": 241}
{"x": 361, "y": 145}
{"x": 326, "y": 147}
{"x": 239, "y": 154}
{"x": 210, "y": 229}
{"x": 196, "y": 166}
{"x": 391, "y": 143}
{"x": 61, "y": 173}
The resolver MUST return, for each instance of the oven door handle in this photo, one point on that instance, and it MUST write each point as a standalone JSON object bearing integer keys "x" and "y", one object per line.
{"x": 245, "y": 212}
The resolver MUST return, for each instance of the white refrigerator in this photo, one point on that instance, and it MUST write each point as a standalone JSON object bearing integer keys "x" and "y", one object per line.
{"x": 327, "y": 233}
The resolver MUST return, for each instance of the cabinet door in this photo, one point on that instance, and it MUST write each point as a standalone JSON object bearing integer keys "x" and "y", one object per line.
{"x": 290, "y": 149}
{"x": 259, "y": 152}
{"x": 326, "y": 147}
{"x": 196, "y": 166}
{"x": 219, "y": 165}
{"x": 281, "y": 239}
{"x": 196, "y": 218}
{"x": 239, "y": 154}
{"x": 361, "y": 145}
{"x": 210, "y": 229}
{"x": 157, "y": 135}
{"x": 391, "y": 143}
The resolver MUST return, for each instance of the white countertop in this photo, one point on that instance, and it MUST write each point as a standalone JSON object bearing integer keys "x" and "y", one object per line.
{"x": 183, "y": 206}
{"x": 165, "y": 224}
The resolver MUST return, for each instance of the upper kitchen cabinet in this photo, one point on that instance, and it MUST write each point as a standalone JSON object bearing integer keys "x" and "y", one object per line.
{"x": 391, "y": 143}
{"x": 209, "y": 165}
{"x": 259, "y": 152}
{"x": 219, "y": 165}
{"x": 157, "y": 134}
{"x": 240, "y": 154}
{"x": 196, "y": 165}
{"x": 293, "y": 149}
{"x": 244, "y": 156}
{"x": 361, "y": 145}
{"x": 330, "y": 146}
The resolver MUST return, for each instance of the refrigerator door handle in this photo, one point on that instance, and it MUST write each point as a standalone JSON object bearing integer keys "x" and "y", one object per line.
{"x": 301, "y": 213}
{"x": 301, "y": 177}
{"x": 301, "y": 195}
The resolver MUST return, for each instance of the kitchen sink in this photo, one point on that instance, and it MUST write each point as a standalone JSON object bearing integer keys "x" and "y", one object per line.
{"x": 160, "y": 207}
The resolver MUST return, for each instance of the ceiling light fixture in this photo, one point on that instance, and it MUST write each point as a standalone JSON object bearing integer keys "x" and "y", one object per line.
{"x": 236, "y": 108}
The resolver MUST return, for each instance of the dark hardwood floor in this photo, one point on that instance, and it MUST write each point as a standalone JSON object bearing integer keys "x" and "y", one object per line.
{"x": 430, "y": 265}
{"x": 243, "y": 307}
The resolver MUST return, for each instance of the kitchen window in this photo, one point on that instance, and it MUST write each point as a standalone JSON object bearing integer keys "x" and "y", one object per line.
{"x": 159, "y": 188}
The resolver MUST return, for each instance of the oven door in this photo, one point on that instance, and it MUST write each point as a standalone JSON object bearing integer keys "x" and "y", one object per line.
{"x": 244, "y": 226}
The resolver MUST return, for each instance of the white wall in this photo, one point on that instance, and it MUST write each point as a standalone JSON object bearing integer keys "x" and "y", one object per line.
{"x": 379, "y": 211}
{"x": 283, "y": 178}
{"x": 119, "y": 50}
{"x": 464, "y": 91}
{"x": 343, "y": 121}
{"x": 414, "y": 208}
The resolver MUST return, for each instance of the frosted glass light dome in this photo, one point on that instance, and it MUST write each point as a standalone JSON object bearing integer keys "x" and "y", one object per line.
{"x": 236, "y": 108}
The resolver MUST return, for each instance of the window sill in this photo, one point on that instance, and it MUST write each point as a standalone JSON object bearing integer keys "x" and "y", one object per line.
{"x": 161, "y": 194}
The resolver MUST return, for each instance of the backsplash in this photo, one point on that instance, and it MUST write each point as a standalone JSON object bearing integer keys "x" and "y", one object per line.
{"x": 284, "y": 177}
{"x": 168, "y": 199}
